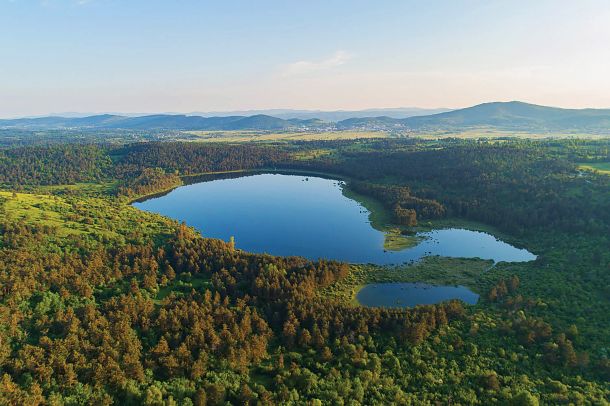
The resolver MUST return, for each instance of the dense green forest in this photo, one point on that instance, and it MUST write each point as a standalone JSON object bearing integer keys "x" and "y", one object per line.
{"x": 101, "y": 303}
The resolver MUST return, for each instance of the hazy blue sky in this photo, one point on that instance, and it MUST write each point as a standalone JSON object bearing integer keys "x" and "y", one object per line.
{"x": 160, "y": 56}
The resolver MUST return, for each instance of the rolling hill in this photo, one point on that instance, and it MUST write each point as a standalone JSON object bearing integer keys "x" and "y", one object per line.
{"x": 500, "y": 115}
{"x": 515, "y": 116}
{"x": 162, "y": 122}
{"x": 330, "y": 115}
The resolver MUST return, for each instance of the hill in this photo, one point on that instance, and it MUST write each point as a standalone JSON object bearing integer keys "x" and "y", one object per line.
{"x": 516, "y": 115}
{"x": 162, "y": 121}
{"x": 329, "y": 115}
{"x": 61, "y": 122}
{"x": 500, "y": 115}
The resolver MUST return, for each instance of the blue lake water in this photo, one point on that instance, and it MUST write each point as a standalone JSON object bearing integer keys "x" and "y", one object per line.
{"x": 412, "y": 294}
{"x": 310, "y": 217}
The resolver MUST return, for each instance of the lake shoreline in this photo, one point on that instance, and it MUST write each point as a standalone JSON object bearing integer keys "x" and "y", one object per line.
{"x": 380, "y": 216}
{"x": 299, "y": 213}
{"x": 188, "y": 179}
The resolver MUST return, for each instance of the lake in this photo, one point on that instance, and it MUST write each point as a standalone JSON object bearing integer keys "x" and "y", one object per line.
{"x": 309, "y": 216}
{"x": 412, "y": 294}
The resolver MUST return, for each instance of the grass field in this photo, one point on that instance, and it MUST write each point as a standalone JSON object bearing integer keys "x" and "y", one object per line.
{"x": 80, "y": 216}
{"x": 471, "y": 133}
{"x": 305, "y": 155}
{"x": 80, "y": 189}
{"x": 600, "y": 167}
{"x": 258, "y": 136}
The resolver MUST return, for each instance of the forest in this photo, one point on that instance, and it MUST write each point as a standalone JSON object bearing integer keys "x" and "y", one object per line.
{"x": 101, "y": 303}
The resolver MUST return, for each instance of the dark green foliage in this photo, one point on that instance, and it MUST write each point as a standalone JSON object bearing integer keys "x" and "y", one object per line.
{"x": 149, "y": 181}
{"x": 142, "y": 315}
{"x": 61, "y": 164}
{"x": 512, "y": 186}
{"x": 400, "y": 200}
{"x": 64, "y": 330}
{"x": 193, "y": 158}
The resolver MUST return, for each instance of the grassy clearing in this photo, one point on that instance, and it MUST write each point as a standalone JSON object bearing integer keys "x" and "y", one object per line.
{"x": 599, "y": 167}
{"x": 80, "y": 189}
{"x": 305, "y": 155}
{"x": 38, "y": 209}
{"x": 259, "y": 136}
{"x": 101, "y": 218}
{"x": 434, "y": 270}
{"x": 471, "y": 133}
{"x": 396, "y": 241}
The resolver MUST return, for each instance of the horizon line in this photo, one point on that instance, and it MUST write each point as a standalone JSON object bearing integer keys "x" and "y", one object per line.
{"x": 76, "y": 114}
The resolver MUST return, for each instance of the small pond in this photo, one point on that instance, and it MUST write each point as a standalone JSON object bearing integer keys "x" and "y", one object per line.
{"x": 412, "y": 294}
{"x": 309, "y": 216}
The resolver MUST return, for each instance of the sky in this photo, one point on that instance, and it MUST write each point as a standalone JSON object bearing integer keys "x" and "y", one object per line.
{"x": 147, "y": 56}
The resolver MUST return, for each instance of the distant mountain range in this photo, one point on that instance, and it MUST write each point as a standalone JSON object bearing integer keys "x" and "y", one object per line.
{"x": 515, "y": 115}
{"x": 286, "y": 114}
{"x": 330, "y": 116}
{"x": 161, "y": 122}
